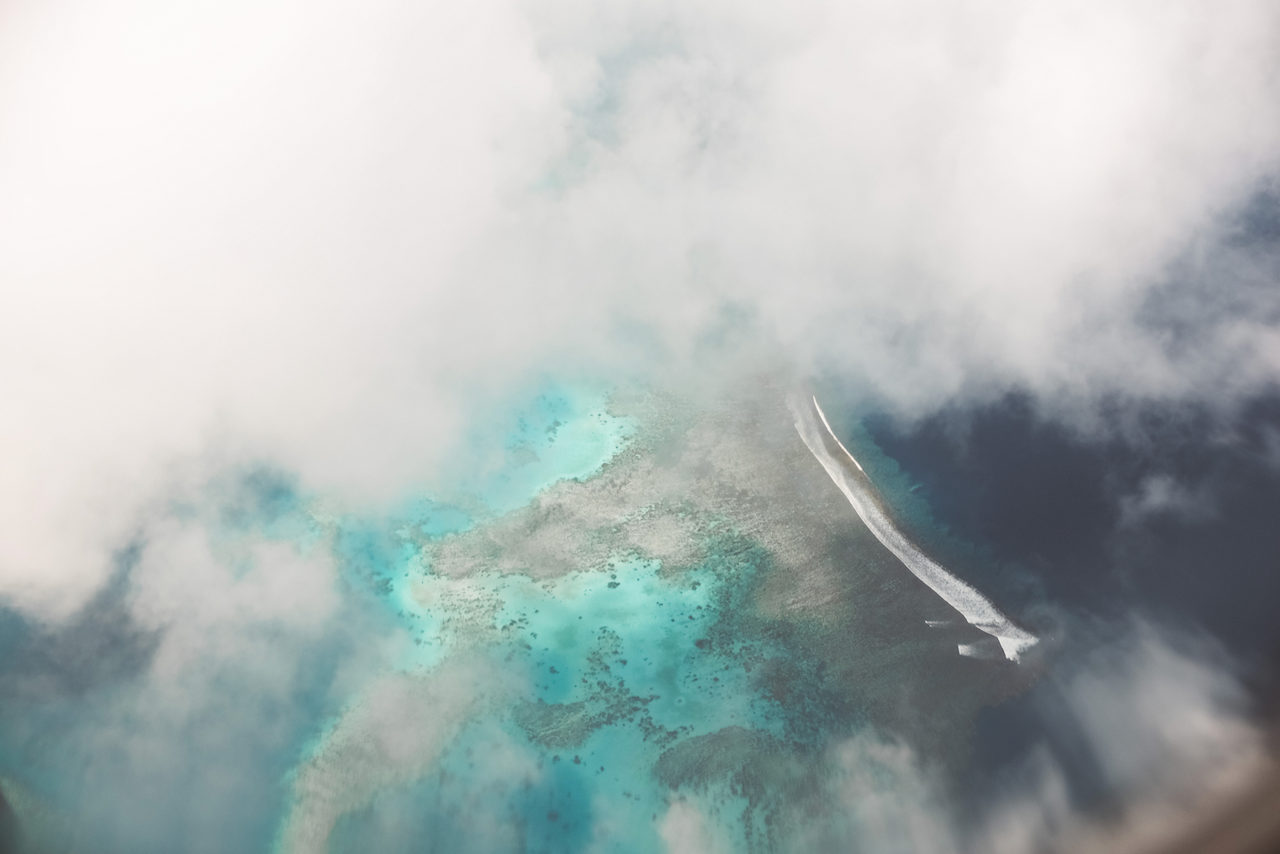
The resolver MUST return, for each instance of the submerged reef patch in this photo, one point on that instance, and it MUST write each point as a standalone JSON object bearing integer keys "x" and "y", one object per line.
{"x": 703, "y": 616}
{"x": 649, "y": 609}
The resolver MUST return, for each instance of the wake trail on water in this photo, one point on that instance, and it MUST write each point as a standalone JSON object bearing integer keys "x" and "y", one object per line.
{"x": 849, "y": 476}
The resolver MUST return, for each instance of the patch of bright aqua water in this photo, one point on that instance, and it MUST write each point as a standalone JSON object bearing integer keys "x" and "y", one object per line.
{"x": 617, "y": 665}
{"x": 686, "y": 614}
{"x": 618, "y": 668}
{"x": 564, "y": 434}
{"x": 561, "y": 434}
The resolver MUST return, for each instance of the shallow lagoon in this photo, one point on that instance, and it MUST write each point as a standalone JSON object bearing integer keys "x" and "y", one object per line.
{"x": 642, "y": 624}
{"x": 667, "y": 604}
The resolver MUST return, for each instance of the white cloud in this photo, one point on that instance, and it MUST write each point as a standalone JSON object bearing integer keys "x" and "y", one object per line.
{"x": 1159, "y": 706}
{"x": 683, "y": 829}
{"x": 226, "y": 640}
{"x": 389, "y": 736}
{"x": 1166, "y": 722}
{"x": 1158, "y": 712}
{"x": 216, "y": 609}
{"x": 315, "y": 233}
{"x": 229, "y": 220}
{"x": 891, "y": 801}
{"x": 1162, "y": 494}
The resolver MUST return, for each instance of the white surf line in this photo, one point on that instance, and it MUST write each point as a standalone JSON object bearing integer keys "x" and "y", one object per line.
{"x": 857, "y": 487}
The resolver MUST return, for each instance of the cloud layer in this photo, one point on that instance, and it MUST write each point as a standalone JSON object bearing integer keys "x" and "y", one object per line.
{"x": 322, "y": 234}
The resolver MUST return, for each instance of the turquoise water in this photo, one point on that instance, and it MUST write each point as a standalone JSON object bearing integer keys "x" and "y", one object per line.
{"x": 624, "y": 605}
{"x": 619, "y": 669}
{"x": 563, "y": 433}
{"x": 618, "y": 663}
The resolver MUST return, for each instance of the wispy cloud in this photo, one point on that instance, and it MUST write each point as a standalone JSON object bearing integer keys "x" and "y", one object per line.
{"x": 1155, "y": 712}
